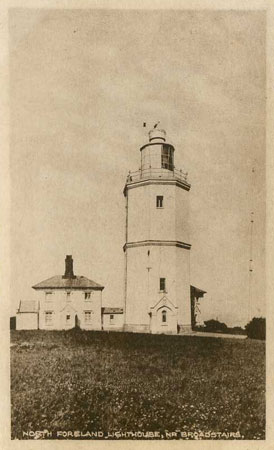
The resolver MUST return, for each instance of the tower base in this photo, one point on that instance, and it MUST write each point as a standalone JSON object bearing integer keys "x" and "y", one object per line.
{"x": 184, "y": 329}
{"x": 136, "y": 328}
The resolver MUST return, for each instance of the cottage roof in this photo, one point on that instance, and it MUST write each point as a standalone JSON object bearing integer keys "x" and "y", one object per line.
{"x": 59, "y": 282}
{"x": 112, "y": 310}
{"x": 28, "y": 306}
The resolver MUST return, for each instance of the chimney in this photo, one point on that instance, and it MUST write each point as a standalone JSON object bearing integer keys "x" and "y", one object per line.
{"x": 69, "y": 267}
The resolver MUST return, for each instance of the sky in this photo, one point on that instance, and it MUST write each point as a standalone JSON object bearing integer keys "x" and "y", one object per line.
{"x": 82, "y": 82}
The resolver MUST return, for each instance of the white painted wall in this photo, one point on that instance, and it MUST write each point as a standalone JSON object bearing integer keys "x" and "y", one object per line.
{"x": 183, "y": 287}
{"x": 168, "y": 327}
{"x": 182, "y": 215}
{"x": 115, "y": 324}
{"x": 147, "y": 222}
{"x": 143, "y": 286}
{"x": 62, "y": 305}
{"x": 26, "y": 321}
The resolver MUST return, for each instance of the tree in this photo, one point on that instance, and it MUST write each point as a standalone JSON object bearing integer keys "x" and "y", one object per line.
{"x": 255, "y": 329}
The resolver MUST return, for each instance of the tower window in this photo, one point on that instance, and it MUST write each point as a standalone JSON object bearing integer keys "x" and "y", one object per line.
{"x": 162, "y": 284}
{"x": 167, "y": 157}
{"x": 159, "y": 201}
{"x": 87, "y": 295}
{"x": 68, "y": 317}
{"x": 164, "y": 316}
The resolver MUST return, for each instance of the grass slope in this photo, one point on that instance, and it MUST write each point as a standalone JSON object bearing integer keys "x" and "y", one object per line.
{"x": 81, "y": 380}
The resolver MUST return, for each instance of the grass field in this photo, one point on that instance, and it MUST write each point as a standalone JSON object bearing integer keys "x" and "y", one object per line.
{"x": 99, "y": 381}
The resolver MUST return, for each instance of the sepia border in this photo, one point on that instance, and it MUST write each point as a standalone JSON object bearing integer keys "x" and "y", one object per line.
{"x": 5, "y": 441}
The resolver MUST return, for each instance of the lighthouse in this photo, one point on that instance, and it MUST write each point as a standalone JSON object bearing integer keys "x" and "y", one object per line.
{"x": 157, "y": 247}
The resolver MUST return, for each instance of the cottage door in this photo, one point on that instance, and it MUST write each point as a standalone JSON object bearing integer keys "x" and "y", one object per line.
{"x": 77, "y": 321}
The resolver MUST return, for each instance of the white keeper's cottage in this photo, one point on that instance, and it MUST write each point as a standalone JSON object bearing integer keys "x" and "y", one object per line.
{"x": 63, "y": 302}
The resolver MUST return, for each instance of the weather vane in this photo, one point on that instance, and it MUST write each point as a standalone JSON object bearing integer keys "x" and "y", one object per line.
{"x": 155, "y": 126}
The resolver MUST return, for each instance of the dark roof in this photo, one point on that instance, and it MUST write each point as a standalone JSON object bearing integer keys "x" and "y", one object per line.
{"x": 112, "y": 310}
{"x": 198, "y": 292}
{"x": 58, "y": 282}
{"x": 28, "y": 306}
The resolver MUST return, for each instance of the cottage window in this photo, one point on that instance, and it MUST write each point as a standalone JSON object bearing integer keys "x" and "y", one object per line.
{"x": 87, "y": 295}
{"x": 68, "y": 317}
{"x": 48, "y": 317}
{"x": 164, "y": 316}
{"x": 111, "y": 318}
{"x": 159, "y": 201}
{"x": 162, "y": 284}
{"x": 87, "y": 316}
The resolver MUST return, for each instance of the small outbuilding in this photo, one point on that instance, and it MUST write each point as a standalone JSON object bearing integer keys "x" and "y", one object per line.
{"x": 27, "y": 316}
{"x": 113, "y": 319}
{"x": 195, "y": 295}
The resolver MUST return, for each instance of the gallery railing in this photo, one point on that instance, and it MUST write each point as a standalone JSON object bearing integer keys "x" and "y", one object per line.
{"x": 144, "y": 174}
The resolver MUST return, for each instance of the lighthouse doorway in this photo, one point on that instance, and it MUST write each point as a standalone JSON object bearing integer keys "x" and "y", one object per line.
{"x": 163, "y": 317}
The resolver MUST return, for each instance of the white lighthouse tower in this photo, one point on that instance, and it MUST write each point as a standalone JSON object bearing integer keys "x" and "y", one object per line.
{"x": 157, "y": 248}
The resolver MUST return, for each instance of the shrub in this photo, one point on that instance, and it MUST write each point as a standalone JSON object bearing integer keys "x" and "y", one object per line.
{"x": 237, "y": 330}
{"x": 256, "y": 328}
{"x": 215, "y": 326}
